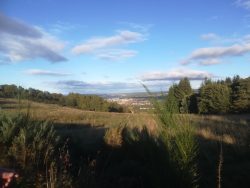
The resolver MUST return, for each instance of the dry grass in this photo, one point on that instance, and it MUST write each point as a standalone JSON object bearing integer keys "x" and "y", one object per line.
{"x": 113, "y": 137}
{"x": 208, "y": 134}
{"x": 233, "y": 131}
{"x": 64, "y": 115}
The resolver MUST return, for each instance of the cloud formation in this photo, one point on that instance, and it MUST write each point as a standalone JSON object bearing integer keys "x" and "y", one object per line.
{"x": 19, "y": 28}
{"x": 109, "y": 48}
{"x": 39, "y": 72}
{"x": 211, "y": 53}
{"x": 209, "y": 36}
{"x": 210, "y": 62}
{"x": 78, "y": 86}
{"x": 20, "y": 41}
{"x": 121, "y": 38}
{"x": 116, "y": 54}
{"x": 95, "y": 87}
{"x": 144, "y": 28}
{"x": 231, "y": 40}
{"x": 175, "y": 74}
{"x": 243, "y": 3}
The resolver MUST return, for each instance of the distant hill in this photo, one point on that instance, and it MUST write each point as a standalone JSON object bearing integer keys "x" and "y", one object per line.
{"x": 85, "y": 102}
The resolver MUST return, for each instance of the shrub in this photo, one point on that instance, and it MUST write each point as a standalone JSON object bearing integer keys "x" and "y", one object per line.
{"x": 31, "y": 147}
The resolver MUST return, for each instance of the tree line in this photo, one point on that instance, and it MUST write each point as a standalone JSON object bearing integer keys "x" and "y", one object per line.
{"x": 231, "y": 95}
{"x": 85, "y": 102}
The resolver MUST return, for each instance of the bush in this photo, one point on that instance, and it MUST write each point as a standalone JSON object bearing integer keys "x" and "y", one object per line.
{"x": 32, "y": 148}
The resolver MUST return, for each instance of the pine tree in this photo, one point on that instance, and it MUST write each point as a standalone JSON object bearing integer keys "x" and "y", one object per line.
{"x": 241, "y": 95}
{"x": 171, "y": 102}
{"x": 185, "y": 91}
{"x": 214, "y": 98}
{"x": 185, "y": 86}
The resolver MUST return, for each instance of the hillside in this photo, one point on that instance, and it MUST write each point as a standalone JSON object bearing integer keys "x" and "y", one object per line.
{"x": 91, "y": 132}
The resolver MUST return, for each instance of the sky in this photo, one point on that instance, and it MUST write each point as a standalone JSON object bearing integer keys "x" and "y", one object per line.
{"x": 112, "y": 46}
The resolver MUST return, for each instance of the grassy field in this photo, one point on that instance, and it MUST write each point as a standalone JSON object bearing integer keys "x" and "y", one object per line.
{"x": 224, "y": 141}
{"x": 67, "y": 115}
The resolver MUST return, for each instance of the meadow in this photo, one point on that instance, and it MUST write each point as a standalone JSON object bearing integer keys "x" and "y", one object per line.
{"x": 223, "y": 150}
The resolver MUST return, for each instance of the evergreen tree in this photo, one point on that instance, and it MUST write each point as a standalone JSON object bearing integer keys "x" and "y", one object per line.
{"x": 179, "y": 96}
{"x": 214, "y": 98}
{"x": 228, "y": 81}
{"x": 240, "y": 95}
{"x": 184, "y": 85}
{"x": 193, "y": 103}
{"x": 185, "y": 91}
{"x": 171, "y": 102}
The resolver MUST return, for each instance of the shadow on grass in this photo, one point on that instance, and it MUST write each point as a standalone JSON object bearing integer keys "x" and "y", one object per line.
{"x": 236, "y": 152}
{"x": 4, "y": 102}
{"x": 142, "y": 160}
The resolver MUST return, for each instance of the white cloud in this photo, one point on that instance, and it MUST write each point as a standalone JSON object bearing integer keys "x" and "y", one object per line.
{"x": 40, "y": 72}
{"x": 219, "y": 40}
{"x": 116, "y": 54}
{"x": 16, "y": 27}
{"x": 96, "y": 87}
{"x": 243, "y": 3}
{"x": 103, "y": 47}
{"x": 210, "y": 62}
{"x": 78, "y": 86}
{"x": 209, "y": 53}
{"x": 62, "y": 27}
{"x": 96, "y": 43}
{"x": 144, "y": 28}
{"x": 210, "y": 36}
{"x": 20, "y": 41}
{"x": 175, "y": 74}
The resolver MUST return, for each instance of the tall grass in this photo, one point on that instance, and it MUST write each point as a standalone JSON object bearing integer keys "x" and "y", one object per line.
{"x": 178, "y": 135}
{"x": 140, "y": 157}
{"x": 32, "y": 148}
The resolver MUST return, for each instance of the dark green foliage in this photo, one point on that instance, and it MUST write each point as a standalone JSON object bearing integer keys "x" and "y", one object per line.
{"x": 240, "y": 95}
{"x": 223, "y": 96}
{"x": 8, "y": 91}
{"x": 32, "y": 148}
{"x": 92, "y": 103}
{"x": 193, "y": 103}
{"x": 185, "y": 87}
{"x": 183, "y": 92}
{"x": 85, "y": 102}
{"x": 172, "y": 103}
{"x": 178, "y": 136}
{"x": 179, "y": 97}
{"x": 228, "y": 81}
{"x": 214, "y": 98}
{"x": 178, "y": 92}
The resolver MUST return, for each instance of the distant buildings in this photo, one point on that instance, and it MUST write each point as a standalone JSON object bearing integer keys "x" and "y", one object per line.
{"x": 131, "y": 101}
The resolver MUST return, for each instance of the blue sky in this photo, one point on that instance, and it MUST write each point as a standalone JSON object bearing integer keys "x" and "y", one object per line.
{"x": 113, "y": 46}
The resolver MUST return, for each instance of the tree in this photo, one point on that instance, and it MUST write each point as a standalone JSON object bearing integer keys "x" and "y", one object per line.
{"x": 193, "y": 103}
{"x": 10, "y": 91}
{"x": 178, "y": 98}
{"x": 214, "y": 98}
{"x": 171, "y": 102}
{"x": 71, "y": 100}
{"x": 184, "y": 92}
{"x": 184, "y": 85}
{"x": 240, "y": 95}
{"x": 228, "y": 81}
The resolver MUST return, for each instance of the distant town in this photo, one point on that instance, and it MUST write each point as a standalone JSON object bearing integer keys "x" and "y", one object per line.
{"x": 140, "y": 101}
